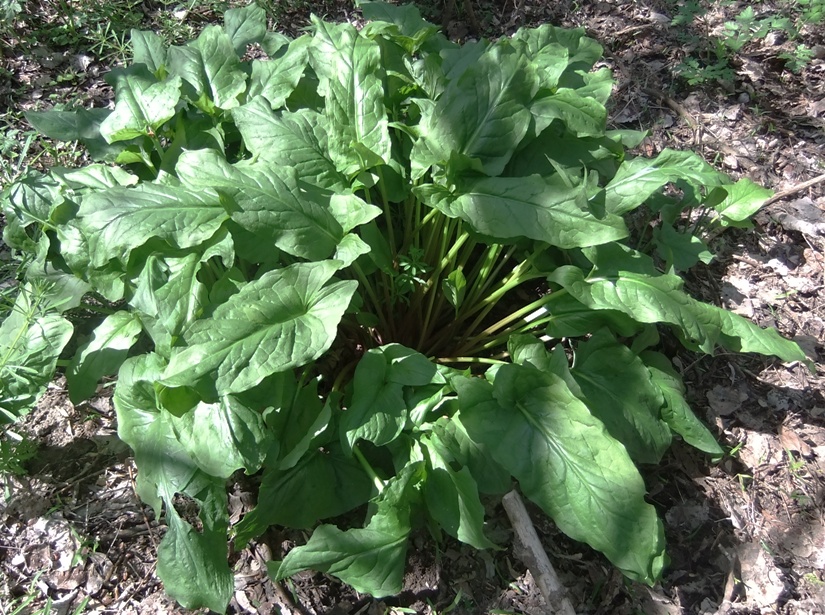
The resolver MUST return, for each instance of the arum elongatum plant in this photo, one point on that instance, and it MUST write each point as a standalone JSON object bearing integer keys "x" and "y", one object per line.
{"x": 373, "y": 267}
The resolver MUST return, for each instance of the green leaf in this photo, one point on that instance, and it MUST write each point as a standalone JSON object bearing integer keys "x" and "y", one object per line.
{"x": 142, "y": 105}
{"x": 349, "y": 68}
{"x": 33, "y": 199}
{"x": 529, "y": 207}
{"x": 117, "y": 220}
{"x": 650, "y": 299}
{"x": 676, "y": 411}
{"x": 223, "y": 437}
{"x": 476, "y": 456}
{"x": 148, "y": 48}
{"x": 680, "y": 250}
{"x": 269, "y": 202}
{"x": 30, "y": 343}
{"x": 403, "y": 24}
{"x": 454, "y": 287}
{"x": 481, "y": 116}
{"x": 211, "y": 67}
{"x": 102, "y": 355}
{"x": 244, "y": 26}
{"x": 618, "y": 391}
{"x": 743, "y": 200}
{"x": 566, "y": 463}
{"x": 637, "y": 179}
{"x": 61, "y": 291}
{"x": 370, "y": 559}
{"x": 80, "y": 125}
{"x": 571, "y": 318}
{"x": 298, "y": 140}
{"x": 452, "y": 499}
{"x": 94, "y": 176}
{"x": 169, "y": 297}
{"x": 378, "y": 411}
{"x": 324, "y": 483}
{"x": 276, "y": 79}
{"x": 544, "y": 44}
{"x": 192, "y": 565}
{"x": 284, "y": 319}
{"x": 300, "y": 423}
{"x": 583, "y": 116}
{"x": 525, "y": 349}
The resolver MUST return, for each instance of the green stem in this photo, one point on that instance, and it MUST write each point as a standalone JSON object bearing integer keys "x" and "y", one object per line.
{"x": 362, "y": 279}
{"x": 470, "y": 360}
{"x": 495, "y": 329}
{"x": 486, "y": 272}
{"x": 382, "y": 189}
{"x": 379, "y": 484}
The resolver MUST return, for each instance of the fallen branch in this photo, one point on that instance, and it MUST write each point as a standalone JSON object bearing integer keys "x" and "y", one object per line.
{"x": 796, "y": 189}
{"x": 529, "y": 549}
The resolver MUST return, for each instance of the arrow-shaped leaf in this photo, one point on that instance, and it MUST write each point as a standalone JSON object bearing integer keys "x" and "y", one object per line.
{"x": 567, "y": 463}
{"x": 142, "y": 105}
{"x": 284, "y": 319}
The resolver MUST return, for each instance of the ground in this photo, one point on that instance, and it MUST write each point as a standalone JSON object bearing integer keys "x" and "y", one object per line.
{"x": 746, "y": 534}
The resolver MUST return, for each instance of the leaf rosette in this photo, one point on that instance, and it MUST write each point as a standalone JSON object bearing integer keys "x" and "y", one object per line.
{"x": 350, "y": 267}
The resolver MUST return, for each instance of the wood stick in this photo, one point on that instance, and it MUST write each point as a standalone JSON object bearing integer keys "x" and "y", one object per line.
{"x": 529, "y": 549}
{"x": 796, "y": 189}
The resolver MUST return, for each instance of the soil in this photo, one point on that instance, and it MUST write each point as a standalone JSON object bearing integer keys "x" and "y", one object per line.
{"x": 746, "y": 534}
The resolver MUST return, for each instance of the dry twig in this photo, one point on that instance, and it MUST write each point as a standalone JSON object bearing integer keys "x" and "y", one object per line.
{"x": 796, "y": 189}
{"x": 531, "y": 552}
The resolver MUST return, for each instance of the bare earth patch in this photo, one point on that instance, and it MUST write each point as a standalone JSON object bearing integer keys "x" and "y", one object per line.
{"x": 746, "y": 535}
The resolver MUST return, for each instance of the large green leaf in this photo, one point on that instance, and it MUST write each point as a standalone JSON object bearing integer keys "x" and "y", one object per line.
{"x": 276, "y": 79}
{"x": 570, "y": 318}
{"x": 651, "y": 299}
{"x": 284, "y": 319}
{"x": 370, "y": 559}
{"x": 80, "y": 125}
{"x": 452, "y": 499}
{"x": 349, "y": 68}
{"x": 324, "y": 483}
{"x": 30, "y": 343}
{"x": 148, "y": 48}
{"x": 269, "y": 203}
{"x": 223, "y": 437}
{"x": 566, "y": 462}
{"x": 378, "y": 410}
{"x": 676, "y": 411}
{"x": 142, "y": 104}
{"x": 245, "y": 26}
{"x": 743, "y": 200}
{"x": 297, "y": 140}
{"x": 489, "y": 475}
{"x": 192, "y": 564}
{"x": 529, "y": 207}
{"x": 618, "y": 391}
{"x": 169, "y": 297}
{"x": 102, "y": 355}
{"x": 117, "y": 220}
{"x": 583, "y": 116}
{"x": 298, "y": 424}
{"x": 637, "y": 179}
{"x": 543, "y": 46}
{"x": 481, "y": 116}
{"x": 403, "y": 24}
{"x": 680, "y": 250}
{"x": 211, "y": 67}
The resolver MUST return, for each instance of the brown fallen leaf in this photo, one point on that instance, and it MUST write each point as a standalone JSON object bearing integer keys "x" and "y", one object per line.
{"x": 791, "y": 441}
